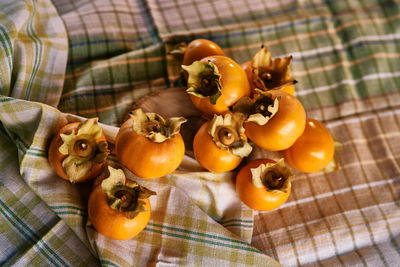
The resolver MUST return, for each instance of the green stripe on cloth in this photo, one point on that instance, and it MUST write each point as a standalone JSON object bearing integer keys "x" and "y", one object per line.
{"x": 27, "y": 222}
{"x": 33, "y": 39}
{"x": 102, "y": 58}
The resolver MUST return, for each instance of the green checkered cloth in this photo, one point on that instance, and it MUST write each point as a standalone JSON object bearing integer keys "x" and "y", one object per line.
{"x": 67, "y": 60}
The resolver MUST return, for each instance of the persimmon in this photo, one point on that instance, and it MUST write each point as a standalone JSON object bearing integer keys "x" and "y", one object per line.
{"x": 216, "y": 83}
{"x": 267, "y": 74}
{"x": 78, "y": 151}
{"x": 264, "y": 184}
{"x": 313, "y": 150}
{"x": 149, "y": 145}
{"x": 119, "y": 208}
{"x": 199, "y": 49}
{"x": 220, "y": 144}
{"x": 275, "y": 119}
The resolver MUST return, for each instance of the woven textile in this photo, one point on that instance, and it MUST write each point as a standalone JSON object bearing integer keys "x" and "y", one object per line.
{"x": 68, "y": 60}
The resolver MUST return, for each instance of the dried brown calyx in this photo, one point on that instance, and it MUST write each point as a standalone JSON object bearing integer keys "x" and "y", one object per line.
{"x": 227, "y": 133}
{"x": 259, "y": 109}
{"x": 204, "y": 80}
{"x": 82, "y": 149}
{"x": 155, "y": 127}
{"x": 125, "y": 195}
{"x": 271, "y": 74}
{"x": 274, "y": 177}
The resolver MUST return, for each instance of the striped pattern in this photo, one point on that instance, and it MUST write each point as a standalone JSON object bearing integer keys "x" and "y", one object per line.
{"x": 101, "y": 57}
{"x": 35, "y": 42}
{"x": 354, "y": 212}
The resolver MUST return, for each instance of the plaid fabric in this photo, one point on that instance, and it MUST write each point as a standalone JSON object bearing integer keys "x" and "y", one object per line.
{"x": 112, "y": 53}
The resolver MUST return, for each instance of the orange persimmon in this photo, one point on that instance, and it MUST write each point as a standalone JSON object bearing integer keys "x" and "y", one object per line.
{"x": 220, "y": 144}
{"x": 283, "y": 129}
{"x": 90, "y": 149}
{"x": 199, "y": 49}
{"x": 215, "y": 83}
{"x": 263, "y": 184}
{"x": 129, "y": 211}
{"x": 150, "y": 146}
{"x": 313, "y": 150}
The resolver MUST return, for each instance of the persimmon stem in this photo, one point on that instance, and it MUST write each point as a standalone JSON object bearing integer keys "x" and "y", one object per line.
{"x": 83, "y": 147}
{"x": 227, "y": 136}
{"x": 209, "y": 85}
{"x": 126, "y": 197}
{"x": 274, "y": 180}
{"x": 153, "y": 126}
{"x": 262, "y": 104}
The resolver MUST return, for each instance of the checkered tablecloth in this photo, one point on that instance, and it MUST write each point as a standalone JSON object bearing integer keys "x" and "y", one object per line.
{"x": 67, "y": 60}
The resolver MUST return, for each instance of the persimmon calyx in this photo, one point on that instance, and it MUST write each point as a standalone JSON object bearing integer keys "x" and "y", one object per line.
{"x": 260, "y": 109}
{"x": 227, "y": 133}
{"x": 82, "y": 149}
{"x": 274, "y": 177}
{"x": 271, "y": 74}
{"x": 124, "y": 195}
{"x": 333, "y": 165}
{"x": 154, "y": 127}
{"x": 204, "y": 80}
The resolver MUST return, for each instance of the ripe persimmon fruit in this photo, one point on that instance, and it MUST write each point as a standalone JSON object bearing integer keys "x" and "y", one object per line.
{"x": 199, "y": 49}
{"x": 220, "y": 144}
{"x": 150, "y": 146}
{"x": 78, "y": 151}
{"x": 263, "y": 184}
{"x": 283, "y": 128}
{"x": 313, "y": 150}
{"x": 215, "y": 83}
{"x": 119, "y": 208}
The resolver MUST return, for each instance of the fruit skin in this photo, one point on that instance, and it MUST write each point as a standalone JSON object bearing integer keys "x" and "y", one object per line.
{"x": 209, "y": 155}
{"x": 257, "y": 198}
{"x": 199, "y": 49}
{"x": 56, "y": 158}
{"x": 145, "y": 158}
{"x": 313, "y": 150}
{"x": 112, "y": 223}
{"x": 248, "y": 68}
{"x": 283, "y": 129}
{"x": 234, "y": 86}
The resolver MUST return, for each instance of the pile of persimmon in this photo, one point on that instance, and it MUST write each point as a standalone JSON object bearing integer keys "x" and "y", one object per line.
{"x": 252, "y": 104}
{"x": 253, "y": 101}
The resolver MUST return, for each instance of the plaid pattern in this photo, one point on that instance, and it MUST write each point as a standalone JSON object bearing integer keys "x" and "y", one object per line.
{"x": 29, "y": 49}
{"x": 111, "y": 53}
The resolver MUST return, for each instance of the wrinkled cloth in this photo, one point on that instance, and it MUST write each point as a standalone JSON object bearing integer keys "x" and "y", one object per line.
{"x": 65, "y": 61}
